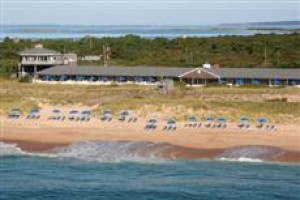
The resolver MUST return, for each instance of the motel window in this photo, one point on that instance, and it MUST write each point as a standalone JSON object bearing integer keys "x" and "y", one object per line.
{"x": 255, "y": 81}
{"x": 240, "y": 81}
{"x": 222, "y": 81}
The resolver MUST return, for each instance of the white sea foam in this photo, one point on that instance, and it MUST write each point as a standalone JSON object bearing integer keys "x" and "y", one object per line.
{"x": 124, "y": 151}
{"x": 109, "y": 151}
{"x": 250, "y": 154}
{"x": 241, "y": 159}
{"x": 9, "y": 149}
{"x": 96, "y": 151}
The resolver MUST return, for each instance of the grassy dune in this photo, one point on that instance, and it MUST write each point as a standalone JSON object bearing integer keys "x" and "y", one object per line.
{"x": 281, "y": 105}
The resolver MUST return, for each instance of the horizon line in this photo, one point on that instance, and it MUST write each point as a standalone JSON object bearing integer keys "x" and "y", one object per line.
{"x": 211, "y": 24}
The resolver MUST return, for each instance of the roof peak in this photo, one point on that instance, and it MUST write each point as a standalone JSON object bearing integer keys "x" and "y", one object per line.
{"x": 39, "y": 49}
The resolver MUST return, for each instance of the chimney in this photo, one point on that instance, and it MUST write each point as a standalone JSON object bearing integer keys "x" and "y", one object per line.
{"x": 38, "y": 46}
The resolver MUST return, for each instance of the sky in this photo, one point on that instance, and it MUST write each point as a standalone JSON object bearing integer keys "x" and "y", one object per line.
{"x": 146, "y": 12}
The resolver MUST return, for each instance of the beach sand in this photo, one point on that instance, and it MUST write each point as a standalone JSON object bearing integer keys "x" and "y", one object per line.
{"x": 187, "y": 143}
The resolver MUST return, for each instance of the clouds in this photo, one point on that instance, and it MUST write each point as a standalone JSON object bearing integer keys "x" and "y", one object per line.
{"x": 133, "y": 12}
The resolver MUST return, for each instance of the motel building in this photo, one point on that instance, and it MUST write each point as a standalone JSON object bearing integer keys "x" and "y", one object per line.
{"x": 51, "y": 67}
{"x": 154, "y": 75}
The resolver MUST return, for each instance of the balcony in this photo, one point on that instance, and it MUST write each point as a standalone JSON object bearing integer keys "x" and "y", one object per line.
{"x": 42, "y": 62}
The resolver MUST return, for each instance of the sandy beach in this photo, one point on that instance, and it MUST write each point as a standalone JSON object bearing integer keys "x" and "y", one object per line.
{"x": 190, "y": 143}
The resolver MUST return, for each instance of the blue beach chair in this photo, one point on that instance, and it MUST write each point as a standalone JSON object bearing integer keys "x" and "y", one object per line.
{"x": 34, "y": 114}
{"x": 124, "y": 115}
{"x": 170, "y": 125}
{"x": 209, "y": 122}
{"x": 84, "y": 116}
{"x": 262, "y": 122}
{"x": 151, "y": 124}
{"x": 222, "y": 122}
{"x": 244, "y": 122}
{"x": 193, "y": 121}
{"x": 56, "y": 115}
{"x": 106, "y": 116}
{"x": 73, "y": 115}
{"x": 14, "y": 113}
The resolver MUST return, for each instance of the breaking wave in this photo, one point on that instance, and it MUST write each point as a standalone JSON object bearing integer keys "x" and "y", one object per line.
{"x": 112, "y": 151}
{"x": 10, "y": 150}
{"x": 126, "y": 151}
{"x": 97, "y": 151}
{"x": 251, "y": 154}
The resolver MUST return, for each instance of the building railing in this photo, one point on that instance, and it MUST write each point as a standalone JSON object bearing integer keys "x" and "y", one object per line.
{"x": 42, "y": 62}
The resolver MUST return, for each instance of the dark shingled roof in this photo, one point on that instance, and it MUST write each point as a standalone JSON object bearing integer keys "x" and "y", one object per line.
{"x": 39, "y": 51}
{"x": 259, "y": 73}
{"x": 115, "y": 71}
{"x": 245, "y": 73}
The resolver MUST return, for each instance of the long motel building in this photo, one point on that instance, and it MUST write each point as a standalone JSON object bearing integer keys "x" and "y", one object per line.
{"x": 154, "y": 75}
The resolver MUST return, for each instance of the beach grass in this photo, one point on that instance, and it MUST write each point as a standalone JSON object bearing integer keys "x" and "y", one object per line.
{"x": 281, "y": 105}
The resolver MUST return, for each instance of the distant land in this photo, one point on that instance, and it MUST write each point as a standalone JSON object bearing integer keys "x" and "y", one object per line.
{"x": 275, "y": 24}
{"x": 147, "y": 31}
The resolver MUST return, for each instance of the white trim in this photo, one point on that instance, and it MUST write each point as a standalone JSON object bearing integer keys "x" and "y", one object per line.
{"x": 188, "y": 72}
{"x": 213, "y": 74}
{"x": 185, "y": 73}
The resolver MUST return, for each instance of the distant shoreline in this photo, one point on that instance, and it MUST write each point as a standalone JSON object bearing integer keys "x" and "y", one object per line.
{"x": 77, "y": 31}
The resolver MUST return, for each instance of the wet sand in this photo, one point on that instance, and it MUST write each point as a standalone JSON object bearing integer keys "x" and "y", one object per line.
{"x": 186, "y": 143}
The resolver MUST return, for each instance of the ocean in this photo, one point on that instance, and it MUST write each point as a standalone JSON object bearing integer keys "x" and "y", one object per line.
{"x": 75, "y": 32}
{"x": 110, "y": 171}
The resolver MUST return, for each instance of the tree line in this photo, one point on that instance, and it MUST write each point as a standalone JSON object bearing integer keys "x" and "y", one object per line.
{"x": 282, "y": 51}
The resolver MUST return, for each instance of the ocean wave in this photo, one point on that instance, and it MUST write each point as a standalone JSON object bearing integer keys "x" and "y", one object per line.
{"x": 137, "y": 151}
{"x": 120, "y": 151}
{"x": 251, "y": 154}
{"x": 241, "y": 159}
{"x": 10, "y": 149}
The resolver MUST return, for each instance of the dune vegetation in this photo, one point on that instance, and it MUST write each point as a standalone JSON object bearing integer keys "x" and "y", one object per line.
{"x": 281, "y": 105}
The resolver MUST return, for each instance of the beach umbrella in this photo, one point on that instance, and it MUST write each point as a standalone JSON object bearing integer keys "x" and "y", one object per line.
{"x": 171, "y": 121}
{"x": 243, "y": 118}
{"x": 73, "y": 112}
{"x": 125, "y": 113}
{"x": 15, "y": 111}
{"x": 262, "y": 120}
{"x": 33, "y": 111}
{"x": 86, "y": 112}
{"x": 106, "y": 112}
{"x": 56, "y": 111}
{"x": 210, "y": 119}
{"x": 152, "y": 121}
{"x": 193, "y": 118}
{"x": 222, "y": 119}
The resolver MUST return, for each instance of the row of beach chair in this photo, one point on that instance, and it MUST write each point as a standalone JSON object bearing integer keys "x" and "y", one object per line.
{"x": 152, "y": 124}
{"x": 74, "y": 115}
{"x": 56, "y": 114}
{"x": 221, "y": 122}
{"x": 124, "y": 116}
